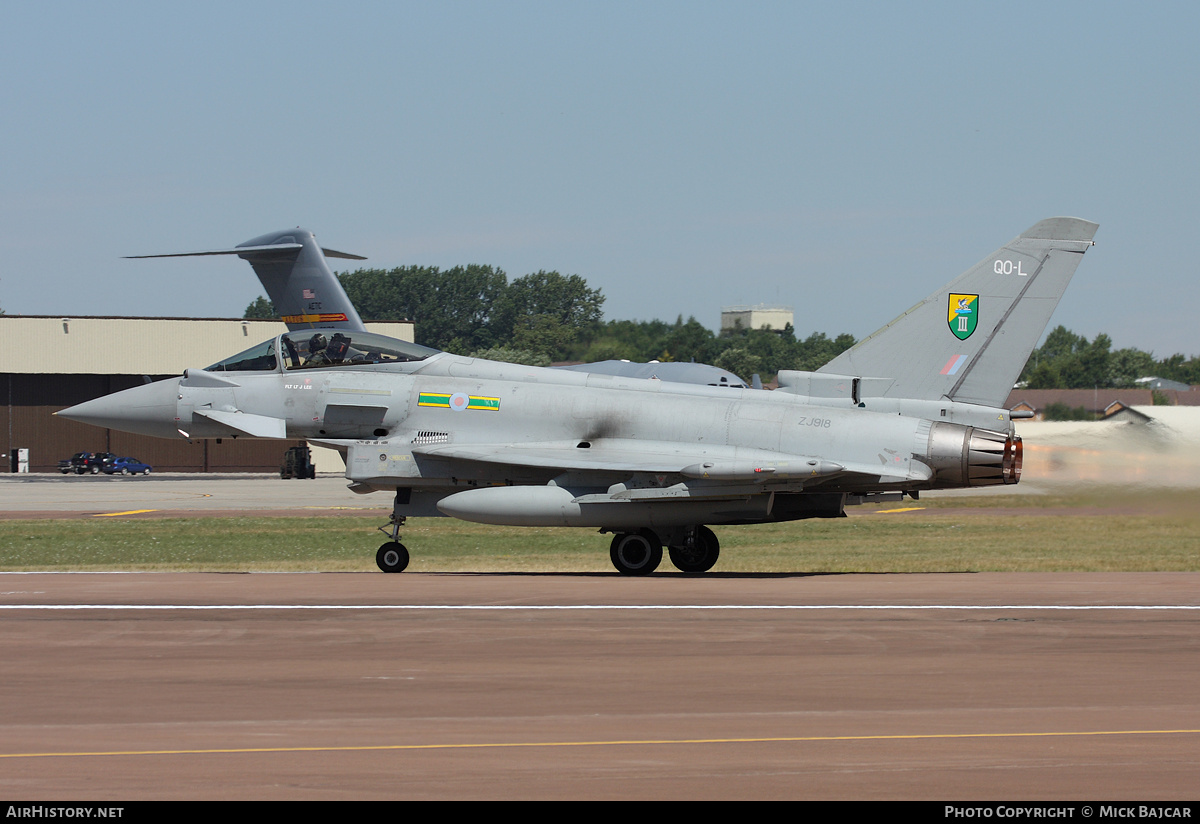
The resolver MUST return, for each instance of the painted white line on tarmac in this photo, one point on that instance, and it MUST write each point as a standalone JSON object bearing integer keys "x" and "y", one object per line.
{"x": 173, "y": 572}
{"x": 603, "y": 607}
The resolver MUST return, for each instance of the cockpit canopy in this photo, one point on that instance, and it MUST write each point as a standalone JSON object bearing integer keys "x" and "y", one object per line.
{"x": 322, "y": 348}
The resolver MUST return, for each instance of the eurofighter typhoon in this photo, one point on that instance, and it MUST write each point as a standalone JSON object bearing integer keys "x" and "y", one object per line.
{"x": 916, "y": 406}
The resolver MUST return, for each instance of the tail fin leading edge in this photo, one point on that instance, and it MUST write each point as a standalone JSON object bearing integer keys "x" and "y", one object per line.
{"x": 969, "y": 340}
{"x": 292, "y": 268}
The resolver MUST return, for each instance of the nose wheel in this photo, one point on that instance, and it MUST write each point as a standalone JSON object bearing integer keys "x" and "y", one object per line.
{"x": 392, "y": 557}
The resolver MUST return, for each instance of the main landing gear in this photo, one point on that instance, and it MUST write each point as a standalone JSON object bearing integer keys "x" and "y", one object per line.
{"x": 698, "y": 554}
{"x": 640, "y": 553}
{"x": 636, "y": 553}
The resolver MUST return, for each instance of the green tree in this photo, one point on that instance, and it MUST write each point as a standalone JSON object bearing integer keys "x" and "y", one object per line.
{"x": 1044, "y": 376}
{"x": 1070, "y": 361}
{"x": 260, "y": 309}
{"x": 452, "y": 309}
{"x": 1125, "y": 366}
{"x": 546, "y": 312}
{"x": 690, "y": 341}
{"x": 1062, "y": 343}
{"x": 543, "y": 334}
{"x": 1095, "y": 360}
{"x": 474, "y": 308}
{"x": 510, "y": 355}
{"x": 1059, "y": 411}
{"x": 1177, "y": 368}
{"x": 634, "y": 340}
{"x": 775, "y": 349}
{"x": 741, "y": 362}
{"x": 817, "y": 350}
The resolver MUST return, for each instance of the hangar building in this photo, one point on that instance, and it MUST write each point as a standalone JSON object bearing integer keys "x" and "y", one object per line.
{"x": 50, "y": 363}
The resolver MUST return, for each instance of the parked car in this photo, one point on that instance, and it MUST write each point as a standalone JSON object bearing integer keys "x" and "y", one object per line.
{"x": 126, "y": 466}
{"x": 68, "y": 465}
{"x": 82, "y": 462}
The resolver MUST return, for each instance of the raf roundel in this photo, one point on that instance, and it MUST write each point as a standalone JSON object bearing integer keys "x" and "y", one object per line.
{"x": 459, "y": 402}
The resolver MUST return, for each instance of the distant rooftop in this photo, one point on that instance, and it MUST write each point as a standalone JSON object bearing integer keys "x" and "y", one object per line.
{"x": 758, "y": 307}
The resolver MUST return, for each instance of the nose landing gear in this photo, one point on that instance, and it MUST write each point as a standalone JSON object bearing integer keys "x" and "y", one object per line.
{"x": 392, "y": 556}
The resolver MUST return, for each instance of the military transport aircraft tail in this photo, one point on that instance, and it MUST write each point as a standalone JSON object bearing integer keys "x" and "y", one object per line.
{"x": 969, "y": 340}
{"x": 292, "y": 268}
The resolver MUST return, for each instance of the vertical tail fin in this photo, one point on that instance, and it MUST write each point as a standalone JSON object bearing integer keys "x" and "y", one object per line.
{"x": 292, "y": 268}
{"x": 969, "y": 340}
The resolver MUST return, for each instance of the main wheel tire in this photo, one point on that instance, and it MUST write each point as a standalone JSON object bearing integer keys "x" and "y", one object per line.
{"x": 147, "y": 472}
{"x": 701, "y": 556}
{"x": 392, "y": 557}
{"x": 636, "y": 553}
{"x": 124, "y": 470}
{"x": 95, "y": 470}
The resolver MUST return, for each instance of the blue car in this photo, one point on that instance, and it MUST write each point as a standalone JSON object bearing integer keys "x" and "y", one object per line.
{"x": 126, "y": 466}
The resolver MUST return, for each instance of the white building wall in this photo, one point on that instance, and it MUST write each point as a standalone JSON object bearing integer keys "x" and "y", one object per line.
{"x": 136, "y": 346}
{"x": 756, "y": 317}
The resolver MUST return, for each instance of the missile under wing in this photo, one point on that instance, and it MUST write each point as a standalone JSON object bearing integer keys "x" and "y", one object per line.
{"x": 915, "y": 407}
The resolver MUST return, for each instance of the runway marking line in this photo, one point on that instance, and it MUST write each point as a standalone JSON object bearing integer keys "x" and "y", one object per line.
{"x": 614, "y": 743}
{"x": 905, "y": 509}
{"x": 614, "y": 607}
{"x": 114, "y": 514}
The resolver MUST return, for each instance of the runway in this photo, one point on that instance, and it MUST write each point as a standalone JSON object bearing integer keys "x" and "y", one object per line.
{"x": 347, "y": 686}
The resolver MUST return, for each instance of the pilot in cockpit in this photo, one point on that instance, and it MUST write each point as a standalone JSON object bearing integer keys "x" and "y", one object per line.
{"x": 317, "y": 354}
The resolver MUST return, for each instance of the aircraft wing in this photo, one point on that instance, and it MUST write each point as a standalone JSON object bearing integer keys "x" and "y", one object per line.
{"x": 612, "y": 455}
{"x": 733, "y": 466}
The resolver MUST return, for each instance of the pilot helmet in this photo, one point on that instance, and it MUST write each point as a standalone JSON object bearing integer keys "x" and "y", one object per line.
{"x": 317, "y": 343}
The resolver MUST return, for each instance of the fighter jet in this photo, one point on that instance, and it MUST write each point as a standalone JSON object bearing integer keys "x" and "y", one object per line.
{"x": 916, "y": 406}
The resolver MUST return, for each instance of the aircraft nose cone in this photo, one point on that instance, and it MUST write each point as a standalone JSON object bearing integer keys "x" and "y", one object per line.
{"x": 144, "y": 410}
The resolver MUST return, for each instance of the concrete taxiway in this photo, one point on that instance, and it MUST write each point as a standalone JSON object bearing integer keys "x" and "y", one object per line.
{"x": 179, "y": 494}
{"x": 345, "y": 686}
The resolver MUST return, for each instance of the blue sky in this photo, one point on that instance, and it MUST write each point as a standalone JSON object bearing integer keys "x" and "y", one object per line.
{"x": 846, "y": 159}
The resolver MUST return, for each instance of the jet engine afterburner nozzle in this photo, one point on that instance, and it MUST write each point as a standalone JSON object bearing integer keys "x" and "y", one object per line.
{"x": 967, "y": 456}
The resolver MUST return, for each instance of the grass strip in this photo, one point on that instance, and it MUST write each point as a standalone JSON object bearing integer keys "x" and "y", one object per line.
{"x": 1085, "y": 532}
